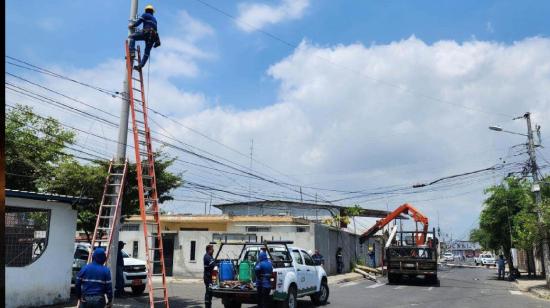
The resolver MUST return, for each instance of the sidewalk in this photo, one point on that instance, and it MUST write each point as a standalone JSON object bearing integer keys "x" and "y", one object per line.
{"x": 347, "y": 277}
{"x": 536, "y": 287}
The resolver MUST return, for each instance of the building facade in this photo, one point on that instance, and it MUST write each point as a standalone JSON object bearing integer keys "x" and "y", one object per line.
{"x": 39, "y": 246}
{"x": 186, "y": 236}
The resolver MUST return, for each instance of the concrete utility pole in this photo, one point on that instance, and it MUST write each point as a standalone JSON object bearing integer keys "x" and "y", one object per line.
{"x": 121, "y": 149}
{"x": 538, "y": 198}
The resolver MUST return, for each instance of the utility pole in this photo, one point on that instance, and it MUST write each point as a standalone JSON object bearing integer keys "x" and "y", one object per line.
{"x": 121, "y": 150}
{"x": 538, "y": 198}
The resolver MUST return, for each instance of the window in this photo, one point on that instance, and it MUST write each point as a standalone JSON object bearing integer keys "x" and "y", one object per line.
{"x": 258, "y": 229}
{"x": 135, "y": 249}
{"x": 26, "y": 235}
{"x": 301, "y": 229}
{"x": 192, "y": 250}
{"x": 130, "y": 227}
{"x": 297, "y": 257}
{"x": 308, "y": 259}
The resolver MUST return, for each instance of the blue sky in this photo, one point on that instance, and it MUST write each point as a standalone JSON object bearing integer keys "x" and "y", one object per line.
{"x": 83, "y": 34}
{"x": 378, "y": 93}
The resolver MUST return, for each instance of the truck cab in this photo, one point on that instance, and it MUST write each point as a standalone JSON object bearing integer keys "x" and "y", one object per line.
{"x": 295, "y": 275}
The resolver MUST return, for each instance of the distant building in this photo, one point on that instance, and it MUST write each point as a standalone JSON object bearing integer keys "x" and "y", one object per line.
{"x": 464, "y": 249}
{"x": 186, "y": 236}
{"x": 39, "y": 247}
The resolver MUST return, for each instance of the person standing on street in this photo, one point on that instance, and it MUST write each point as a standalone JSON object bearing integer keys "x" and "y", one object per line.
{"x": 318, "y": 258}
{"x": 339, "y": 260}
{"x": 119, "y": 286}
{"x": 500, "y": 266}
{"x": 93, "y": 282}
{"x": 209, "y": 265}
{"x": 264, "y": 271}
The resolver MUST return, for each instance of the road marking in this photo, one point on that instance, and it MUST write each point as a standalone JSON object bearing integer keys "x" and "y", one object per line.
{"x": 515, "y": 292}
{"x": 399, "y": 287}
{"x": 429, "y": 289}
{"x": 374, "y": 286}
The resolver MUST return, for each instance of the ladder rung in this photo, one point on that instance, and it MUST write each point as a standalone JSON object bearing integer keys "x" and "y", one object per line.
{"x": 160, "y": 301}
{"x": 104, "y": 217}
{"x": 117, "y": 174}
{"x": 159, "y": 288}
{"x": 108, "y": 205}
{"x": 154, "y": 248}
{"x": 146, "y": 176}
{"x": 110, "y": 195}
{"x": 139, "y": 90}
{"x": 157, "y": 275}
{"x": 114, "y": 184}
{"x": 103, "y": 228}
{"x": 136, "y": 79}
{"x": 146, "y": 188}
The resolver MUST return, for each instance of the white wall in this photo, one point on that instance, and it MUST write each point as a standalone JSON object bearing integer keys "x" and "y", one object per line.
{"x": 47, "y": 280}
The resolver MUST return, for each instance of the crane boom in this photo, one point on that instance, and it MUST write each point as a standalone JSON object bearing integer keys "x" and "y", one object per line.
{"x": 406, "y": 208}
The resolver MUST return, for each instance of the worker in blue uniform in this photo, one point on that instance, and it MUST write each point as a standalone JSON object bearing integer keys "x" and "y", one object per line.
{"x": 93, "y": 282}
{"x": 148, "y": 33}
{"x": 119, "y": 284}
{"x": 263, "y": 271}
{"x": 209, "y": 264}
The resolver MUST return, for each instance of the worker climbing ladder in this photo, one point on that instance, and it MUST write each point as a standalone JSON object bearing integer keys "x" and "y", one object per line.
{"x": 109, "y": 208}
{"x": 147, "y": 185}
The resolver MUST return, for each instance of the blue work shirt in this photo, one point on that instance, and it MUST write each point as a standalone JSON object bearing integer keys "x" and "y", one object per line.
{"x": 209, "y": 264}
{"x": 500, "y": 263}
{"x": 264, "y": 271}
{"x": 95, "y": 278}
{"x": 148, "y": 20}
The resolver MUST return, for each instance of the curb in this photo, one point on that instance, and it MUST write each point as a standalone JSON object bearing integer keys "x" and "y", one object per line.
{"x": 538, "y": 291}
{"x": 348, "y": 279}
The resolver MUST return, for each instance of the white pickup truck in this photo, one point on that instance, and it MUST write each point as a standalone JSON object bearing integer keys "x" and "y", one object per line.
{"x": 295, "y": 275}
{"x": 485, "y": 259}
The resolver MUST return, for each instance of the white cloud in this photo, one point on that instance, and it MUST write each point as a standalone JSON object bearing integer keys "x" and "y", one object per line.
{"x": 253, "y": 16}
{"x": 388, "y": 115}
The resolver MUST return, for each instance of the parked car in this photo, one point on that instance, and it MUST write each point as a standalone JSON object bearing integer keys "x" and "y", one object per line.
{"x": 295, "y": 275}
{"x": 135, "y": 273}
{"x": 448, "y": 256}
{"x": 485, "y": 259}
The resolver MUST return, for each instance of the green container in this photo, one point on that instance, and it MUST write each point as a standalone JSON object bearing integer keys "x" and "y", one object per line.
{"x": 246, "y": 271}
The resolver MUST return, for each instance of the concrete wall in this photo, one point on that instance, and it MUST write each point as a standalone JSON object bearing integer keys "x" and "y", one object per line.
{"x": 327, "y": 240}
{"x": 47, "y": 280}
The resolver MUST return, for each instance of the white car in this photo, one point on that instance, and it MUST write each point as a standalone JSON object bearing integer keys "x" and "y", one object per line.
{"x": 135, "y": 274}
{"x": 448, "y": 256}
{"x": 485, "y": 259}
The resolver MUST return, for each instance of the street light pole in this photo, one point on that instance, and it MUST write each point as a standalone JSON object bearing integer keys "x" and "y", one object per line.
{"x": 538, "y": 198}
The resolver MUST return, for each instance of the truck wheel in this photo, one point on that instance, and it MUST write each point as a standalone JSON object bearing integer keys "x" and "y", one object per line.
{"x": 291, "y": 300}
{"x": 393, "y": 278}
{"x": 320, "y": 298}
{"x": 138, "y": 290}
{"x": 231, "y": 304}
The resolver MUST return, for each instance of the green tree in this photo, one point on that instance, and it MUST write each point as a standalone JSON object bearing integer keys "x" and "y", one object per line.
{"x": 33, "y": 148}
{"x": 499, "y": 216}
{"x": 88, "y": 180}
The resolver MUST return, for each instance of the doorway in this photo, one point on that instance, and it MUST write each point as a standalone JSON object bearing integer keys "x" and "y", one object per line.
{"x": 168, "y": 247}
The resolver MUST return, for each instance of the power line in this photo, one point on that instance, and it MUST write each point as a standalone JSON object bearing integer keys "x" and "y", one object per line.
{"x": 361, "y": 73}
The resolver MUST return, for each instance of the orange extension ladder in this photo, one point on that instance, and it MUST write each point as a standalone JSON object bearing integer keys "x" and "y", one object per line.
{"x": 147, "y": 185}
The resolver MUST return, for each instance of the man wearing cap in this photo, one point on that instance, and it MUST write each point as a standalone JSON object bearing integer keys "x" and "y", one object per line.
{"x": 119, "y": 287}
{"x": 93, "y": 282}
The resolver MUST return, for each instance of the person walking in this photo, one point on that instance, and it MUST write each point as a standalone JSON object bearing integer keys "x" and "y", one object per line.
{"x": 339, "y": 260}
{"x": 148, "y": 33}
{"x": 209, "y": 264}
{"x": 263, "y": 271}
{"x": 318, "y": 258}
{"x": 93, "y": 282}
{"x": 500, "y": 266}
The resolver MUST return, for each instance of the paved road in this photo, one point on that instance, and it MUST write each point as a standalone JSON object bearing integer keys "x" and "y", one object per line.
{"x": 459, "y": 287}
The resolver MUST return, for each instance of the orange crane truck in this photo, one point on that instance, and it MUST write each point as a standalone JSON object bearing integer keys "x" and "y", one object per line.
{"x": 408, "y": 253}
